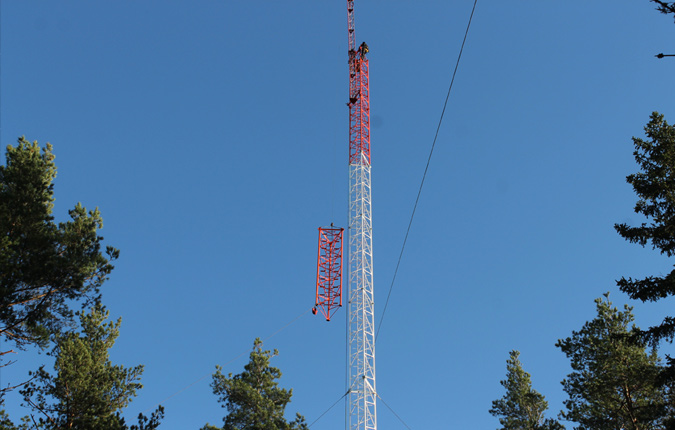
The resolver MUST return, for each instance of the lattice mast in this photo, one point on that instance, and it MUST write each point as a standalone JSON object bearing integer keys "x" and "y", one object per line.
{"x": 361, "y": 397}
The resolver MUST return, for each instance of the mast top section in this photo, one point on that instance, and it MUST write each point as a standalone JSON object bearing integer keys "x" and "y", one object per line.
{"x": 350, "y": 26}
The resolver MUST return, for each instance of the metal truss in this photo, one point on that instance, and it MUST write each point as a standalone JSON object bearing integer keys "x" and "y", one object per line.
{"x": 361, "y": 400}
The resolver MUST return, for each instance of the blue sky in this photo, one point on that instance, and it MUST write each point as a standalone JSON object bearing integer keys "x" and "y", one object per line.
{"x": 213, "y": 137}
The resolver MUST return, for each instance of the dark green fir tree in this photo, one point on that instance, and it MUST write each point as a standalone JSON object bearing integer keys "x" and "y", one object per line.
{"x": 654, "y": 185}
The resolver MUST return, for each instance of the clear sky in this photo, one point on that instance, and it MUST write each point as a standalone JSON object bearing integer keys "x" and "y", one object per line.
{"x": 213, "y": 137}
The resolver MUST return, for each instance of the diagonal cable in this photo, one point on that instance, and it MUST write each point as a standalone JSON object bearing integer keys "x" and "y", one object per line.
{"x": 392, "y": 411}
{"x": 327, "y": 410}
{"x": 419, "y": 192}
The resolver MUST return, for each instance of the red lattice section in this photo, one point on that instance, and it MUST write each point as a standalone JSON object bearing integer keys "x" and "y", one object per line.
{"x": 359, "y": 107}
{"x": 329, "y": 272}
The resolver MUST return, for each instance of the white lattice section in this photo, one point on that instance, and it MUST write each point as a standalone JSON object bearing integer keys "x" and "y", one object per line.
{"x": 361, "y": 406}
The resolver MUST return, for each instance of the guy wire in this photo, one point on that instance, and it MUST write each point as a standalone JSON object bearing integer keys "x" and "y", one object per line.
{"x": 419, "y": 192}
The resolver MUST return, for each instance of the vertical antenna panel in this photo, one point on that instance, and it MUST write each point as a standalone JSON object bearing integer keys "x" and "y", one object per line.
{"x": 329, "y": 271}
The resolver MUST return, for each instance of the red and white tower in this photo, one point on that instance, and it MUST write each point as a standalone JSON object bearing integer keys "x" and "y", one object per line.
{"x": 361, "y": 397}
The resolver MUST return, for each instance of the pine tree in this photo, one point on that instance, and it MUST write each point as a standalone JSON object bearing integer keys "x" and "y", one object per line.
{"x": 522, "y": 407}
{"x": 87, "y": 391}
{"x": 253, "y": 398}
{"x": 613, "y": 385}
{"x": 44, "y": 266}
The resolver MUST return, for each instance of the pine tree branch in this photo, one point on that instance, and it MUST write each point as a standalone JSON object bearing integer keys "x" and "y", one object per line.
{"x": 8, "y": 389}
{"x": 38, "y": 408}
{"x": 665, "y": 7}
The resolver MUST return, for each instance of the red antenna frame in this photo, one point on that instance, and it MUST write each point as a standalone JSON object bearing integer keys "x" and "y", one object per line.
{"x": 329, "y": 271}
